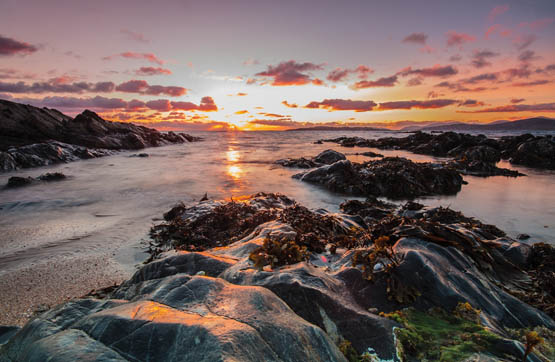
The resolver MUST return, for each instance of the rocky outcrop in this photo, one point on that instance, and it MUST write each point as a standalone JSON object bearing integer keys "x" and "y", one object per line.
{"x": 31, "y": 136}
{"x": 288, "y": 284}
{"x": 17, "y": 181}
{"x": 527, "y": 150}
{"x": 326, "y": 157}
{"x": 392, "y": 177}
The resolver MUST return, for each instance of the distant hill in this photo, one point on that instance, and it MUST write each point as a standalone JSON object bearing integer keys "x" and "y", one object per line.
{"x": 527, "y": 124}
{"x": 342, "y": 128}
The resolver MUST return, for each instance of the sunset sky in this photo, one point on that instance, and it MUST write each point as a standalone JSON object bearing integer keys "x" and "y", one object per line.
{"x": 213, "y": 65}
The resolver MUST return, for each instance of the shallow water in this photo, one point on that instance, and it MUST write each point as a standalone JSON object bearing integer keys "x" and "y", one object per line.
{"x": 107, "y": 205}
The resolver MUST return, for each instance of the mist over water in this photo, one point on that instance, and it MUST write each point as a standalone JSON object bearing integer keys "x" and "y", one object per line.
{"x": 107, "y": 205}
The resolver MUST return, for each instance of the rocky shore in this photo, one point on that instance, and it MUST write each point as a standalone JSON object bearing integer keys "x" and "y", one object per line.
{"x": 264, "y": 278}
{"x": 526, "y": 149}
{"x": 32, "y": 137}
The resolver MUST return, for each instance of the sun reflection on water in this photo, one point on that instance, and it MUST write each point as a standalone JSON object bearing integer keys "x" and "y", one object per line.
{"x": 233, "y": 168}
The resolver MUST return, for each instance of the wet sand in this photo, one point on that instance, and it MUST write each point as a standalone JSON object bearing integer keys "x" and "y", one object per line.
{"x": 39, "y": 287}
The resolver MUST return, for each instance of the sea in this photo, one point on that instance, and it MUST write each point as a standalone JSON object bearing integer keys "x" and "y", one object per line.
{"x": 107, "y": 205}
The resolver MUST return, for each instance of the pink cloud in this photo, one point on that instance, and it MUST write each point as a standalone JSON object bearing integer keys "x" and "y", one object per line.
{"x": 428, "y": 104}
{"x": 417, "y": 38}
{"x": 207, "y": 104}
{"x": 146, "y": 71}
{"x": 290, "y": 73}
{"x": 131, "y": 35}
{"x": 343, "y": 105}
{"x": 9, "y": 46}
{"x": 142, "y": 87}
{"x": 381, "y": 82}
{"x": 458, "y": 39}
{"x": 339, "y": 74}
{"x": 289, "y": 105}
{"x": 496, "y": 11}
{"x": 131, "y": 55}
{"x": 435, "y": 71}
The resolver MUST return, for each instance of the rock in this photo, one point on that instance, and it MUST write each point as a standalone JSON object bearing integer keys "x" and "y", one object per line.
{"x": 291, "y": 284}
{"x": 189, "y": 318}
{"x": 526, "y": 149}
{"x": 538, "y": 152}
{"x": 523, "y": 236}
{"x": 6, "y": 332}
{"x": 54, "y": 176}
{"x": 31, "y": 136}
{"x": 319, "y": 142}
{"x": 297, "y": 162}
{"x": 390, "y": 177}
{"x": 481, "y": 169}
{"x": 16, "y": 181}
{"x": 328, "y": 157}
{"x": 370, "y": 154}
{"x": 144, "y": 155}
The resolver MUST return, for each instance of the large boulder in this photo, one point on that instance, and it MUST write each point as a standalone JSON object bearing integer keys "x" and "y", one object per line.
{"x": 391, "y": 177}
{"x": 328, "y": 157}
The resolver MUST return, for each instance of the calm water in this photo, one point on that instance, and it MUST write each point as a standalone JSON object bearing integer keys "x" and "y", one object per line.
{"x": 107, "y": 205}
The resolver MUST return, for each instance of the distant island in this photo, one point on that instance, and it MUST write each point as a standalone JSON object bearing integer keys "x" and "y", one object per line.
{"x": 527, "y": 124}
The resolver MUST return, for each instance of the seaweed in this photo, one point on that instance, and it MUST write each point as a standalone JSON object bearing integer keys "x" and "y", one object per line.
{"x": 439, "y": 335}
{"x": 276, "y": 252}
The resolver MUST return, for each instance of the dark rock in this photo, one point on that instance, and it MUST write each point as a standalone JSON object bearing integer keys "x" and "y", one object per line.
{"x": 370, "y": 154}
{"x": 175, "y": 318}
{"x": 523, "y": 236}
{"x": 6, "y": 332}
{"x": 175, "y": 212}
{"x": 17, "y": 181}
{"x": 538, "y": 152}
{"x": 54, "y": 176}
{"x": 481, "y": 169}
{"x": 319, "y": 142}
{"x": 140, "y": 155}
{"x": 390, "y": 177}
{"x": 297, "y": 162}
{"x": 31, "y": 136}
{"x": 328, "y": 157}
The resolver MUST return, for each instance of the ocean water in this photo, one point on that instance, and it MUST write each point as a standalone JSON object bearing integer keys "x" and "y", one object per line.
{"x": 107, "y": 205}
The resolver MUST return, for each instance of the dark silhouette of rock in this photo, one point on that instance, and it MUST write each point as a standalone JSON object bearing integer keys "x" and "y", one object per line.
{"x": 326, "y": 157}
{"x": 526, "y": 149}
{"x": 392, "y": 177}
{"x": 17, "y": 181}
{"x": 31, "y": 136}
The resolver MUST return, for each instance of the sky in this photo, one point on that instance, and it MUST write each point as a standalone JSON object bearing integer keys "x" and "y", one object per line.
{"x": 272, "y": 65}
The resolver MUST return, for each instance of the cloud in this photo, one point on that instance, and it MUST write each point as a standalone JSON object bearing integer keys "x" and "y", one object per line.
{"x": 54, "y": 85}
{"x": 415, "y": 81}
{"x": 428, "y": 104}
{"x": 339, "y": 74}
{"x": 207, "y": 104}
{"x": 9, "y": 46}
{"x": 142, "y": 87}
{"x": 470, "y": 103}
{"x": 243, "y": 111}
{"x": 496, "y": 11}
{"x": 290, "y": 105}
{"x": 532, "y": 83}
{"x": 524, "y": 41}
{"x": 146, "y": 71}
{"x": 435, "y": 71}
{"x": 381, "y": 82}
{"x": 542, "y": 107}
{"x": 417, "y": 38}
{"x": 100, "y": 103}
{"x": 517, "y": 100}
{"x": 11, "y": 73}
{"x": 537, "y": 24}
{"x": 480, "y": 58}
{"x": 527, "y": 56}
{"x": 281, "y": 122}
{"x": 458, "y": 39}
{"x": 290, "y": 73}
{"x": 131, "y": 55}
{"x": 455, "y": 58}
{"x": 131, "y": 35}
{"x": 343, "y": 105}
{"x": 251, "y": 61}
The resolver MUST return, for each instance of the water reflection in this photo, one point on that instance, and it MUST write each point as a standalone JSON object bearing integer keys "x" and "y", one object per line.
{"x": 233, "y": 168}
